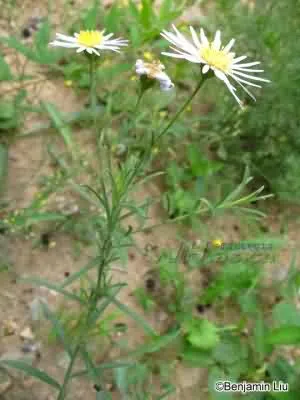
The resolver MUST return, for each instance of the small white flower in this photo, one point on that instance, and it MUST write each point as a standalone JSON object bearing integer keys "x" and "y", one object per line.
{"x": 219, "y": 59}
{"x": 154, "y": 70}
{"x": 90, "y": 41}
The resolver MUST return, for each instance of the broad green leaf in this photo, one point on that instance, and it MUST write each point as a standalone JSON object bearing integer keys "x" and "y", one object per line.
{"x": 196, "y": 357}
{"x": 286, "y": 335}
{"x": 31, "y": 371}
{"x": 230, "y": 350}
{"x": 202, "y": 334}
{"x": 216, "y": 374}
{"x": 286, "y": 314}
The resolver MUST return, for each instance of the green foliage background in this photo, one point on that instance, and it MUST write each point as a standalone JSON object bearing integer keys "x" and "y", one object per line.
{"x": 267, "y": 135}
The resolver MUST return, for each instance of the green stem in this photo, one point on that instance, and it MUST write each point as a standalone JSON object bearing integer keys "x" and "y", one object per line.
{"x": 184, "y": 106}
{"x": 106, "y": 248}
{"x": 93, "y": 98}
{"x": 135, "y": 111}
{"x": 93, "y": 299}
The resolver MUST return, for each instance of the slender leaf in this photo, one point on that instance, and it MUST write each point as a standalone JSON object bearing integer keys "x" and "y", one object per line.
{"x": 31, "y": 371}
{"x": 3, "y": 164}
{"x": 51, "y": 286}
{"x": 58, "y": 328}
{"x": 136, "y": 317}
{"x": 60, "y": 125}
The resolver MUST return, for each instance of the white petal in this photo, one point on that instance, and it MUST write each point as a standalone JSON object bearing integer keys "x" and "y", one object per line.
{"x": 254, "y": 78}
{"x": 95, "y": 51}
{"x": 115, "y": 49}
{"x": 117, "y": 42}
{"x": 108, "y": 36}
{"x": 186, "y": 57}
{"x": 185, "y": 44}
{"x": 80, "y": 49}
{"x": 217, "y": 41}
{"x": 205, "y": 69}
{"x": 203, "y": 38}
{"x": 64, "y": 44}
{"x": 236, "y": 60}
{"x": 197, "y": 56}
{"x": 247, "y": 69}
{"x": 195, "y": 37}
{"x": 66, "y": 38}
{"x": 89, "y": 50}
{"x": 224, "y": 78}
{"x": 166, "y": 85}
{"x": 247, "y": 64}
{"x": 246, "y": 90}
{"x": 243, "y": 80}
{"x": 229, "y": 46}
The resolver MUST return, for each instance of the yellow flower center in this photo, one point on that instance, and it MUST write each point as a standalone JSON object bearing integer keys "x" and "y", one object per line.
{"x": 217, "y": 243}
{"x": 217, "y": 58}
{"x": 89, "y": 38}
{"x": 154, "y": 68}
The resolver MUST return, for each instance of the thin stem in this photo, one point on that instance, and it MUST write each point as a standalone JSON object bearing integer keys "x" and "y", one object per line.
{"x": 135, "y": 111}
{"x": 106, "y": 248}
{"x": 62, "y": 392}
{"x": 184, "y": 106}
{"x": 93, "y": 98}
{"x": 93, "y": 299}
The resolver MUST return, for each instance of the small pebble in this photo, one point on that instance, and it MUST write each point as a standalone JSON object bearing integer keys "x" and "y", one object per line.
{"x": 28, "y": 347}
{"x": 27, "y": 334}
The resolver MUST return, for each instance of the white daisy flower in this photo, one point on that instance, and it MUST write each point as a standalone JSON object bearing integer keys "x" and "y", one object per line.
{"x": 154, "y": 70}
{"x": 89, "y": 41}
{"x": 219, "y": 59}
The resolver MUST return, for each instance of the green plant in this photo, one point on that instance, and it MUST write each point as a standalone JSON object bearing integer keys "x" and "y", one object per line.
{"x": 265, "y": 135}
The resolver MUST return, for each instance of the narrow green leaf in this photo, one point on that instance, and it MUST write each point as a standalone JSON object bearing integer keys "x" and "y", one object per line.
{"x": 57, "y": 326}
{"x": 60, "y": 125}
{"x": 31, "y": 371}
{"x": 5, "y": 73}
{"x": 79, "y": 274}
{"x": 103, "y": 367}
{"x": 51, "y": 286}
{"x": 3, "y": 165}
{"x": 90, "y": 19}
{"x": 156, "y": 343}
{"x": 136, "y": 317}
{"x": 14, "y": 43}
